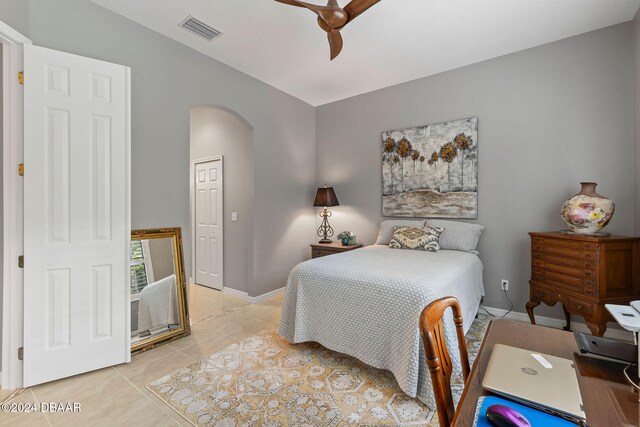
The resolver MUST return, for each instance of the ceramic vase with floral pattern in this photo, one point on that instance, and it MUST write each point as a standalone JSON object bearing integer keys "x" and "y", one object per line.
{"x": 587, "y": 212}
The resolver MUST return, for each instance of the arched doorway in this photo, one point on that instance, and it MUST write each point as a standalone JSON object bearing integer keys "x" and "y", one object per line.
{"x": 221, "y": 144}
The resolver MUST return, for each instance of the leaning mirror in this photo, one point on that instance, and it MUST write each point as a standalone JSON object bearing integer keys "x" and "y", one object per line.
{"x": 159, "y": 310}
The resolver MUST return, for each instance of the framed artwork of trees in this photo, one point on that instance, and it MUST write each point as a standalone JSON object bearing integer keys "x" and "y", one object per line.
{"x": 431, "y": 171}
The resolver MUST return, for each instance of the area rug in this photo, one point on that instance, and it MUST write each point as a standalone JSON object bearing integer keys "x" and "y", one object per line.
{"x": 266, "y": 381}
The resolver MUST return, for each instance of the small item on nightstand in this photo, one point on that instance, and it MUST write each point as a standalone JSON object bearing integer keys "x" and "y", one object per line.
{"x": 347, "y": 238}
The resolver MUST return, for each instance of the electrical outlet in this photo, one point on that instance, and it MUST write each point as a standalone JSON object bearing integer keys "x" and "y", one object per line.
{"x": 504, "y": 285}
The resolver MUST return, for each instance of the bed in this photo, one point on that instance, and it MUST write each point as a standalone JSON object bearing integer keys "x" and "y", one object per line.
{"x": 366, "y": 303}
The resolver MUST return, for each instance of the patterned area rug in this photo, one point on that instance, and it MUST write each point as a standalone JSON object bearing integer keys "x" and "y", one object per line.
{"x": 266, "y": 381}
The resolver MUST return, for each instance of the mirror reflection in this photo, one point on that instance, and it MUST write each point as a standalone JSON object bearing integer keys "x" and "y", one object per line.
{"x": 158, "y": 309}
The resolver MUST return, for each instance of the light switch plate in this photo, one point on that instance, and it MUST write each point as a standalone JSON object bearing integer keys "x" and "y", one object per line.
{"x": 234, "y": 216}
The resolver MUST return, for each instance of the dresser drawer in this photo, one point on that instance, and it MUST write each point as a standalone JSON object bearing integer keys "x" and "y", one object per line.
{"x": 573, "y": 260}
{"x": 581, "y": 307}
{"x": 551, "y": 242}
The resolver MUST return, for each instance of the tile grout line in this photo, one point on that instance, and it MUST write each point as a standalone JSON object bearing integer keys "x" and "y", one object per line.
{"x": 88, "y": 386}
{"x": 218, "y": 315}
{"x": 147, "y": 397}
{"x": 38, "y": 403}
{"x": 130, "y": 404}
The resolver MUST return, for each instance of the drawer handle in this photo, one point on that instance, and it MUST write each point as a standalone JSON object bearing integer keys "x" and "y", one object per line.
{"x": 587, "y": 273}
{"x": 537, "y": 255}
{"x": 579, "y": 306}
{"x": 587, "y": 265}
{"x": 559, "y": 295}
{"x": 540, "y": 294}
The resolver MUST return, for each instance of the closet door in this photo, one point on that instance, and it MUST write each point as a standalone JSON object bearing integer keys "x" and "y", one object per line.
{"x": 76, "y": 215}
{"x": 209, "y": 221}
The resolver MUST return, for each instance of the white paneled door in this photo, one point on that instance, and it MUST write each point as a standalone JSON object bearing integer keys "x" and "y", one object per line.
{"x": 209, "y": 219}
{"x": 76, "y": 215}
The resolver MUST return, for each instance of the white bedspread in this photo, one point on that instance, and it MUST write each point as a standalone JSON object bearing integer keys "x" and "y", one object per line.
{"x": 367, "y": 302}
{"x": 159, "y": 305}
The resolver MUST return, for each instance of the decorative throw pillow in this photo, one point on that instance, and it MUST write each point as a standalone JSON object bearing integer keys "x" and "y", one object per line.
{"x": 386, "y": 228}
{"x": 458, "y": 236}
{"x": 419, "y": 238}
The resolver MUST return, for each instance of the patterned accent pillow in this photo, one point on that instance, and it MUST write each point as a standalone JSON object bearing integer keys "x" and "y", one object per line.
{"x": 386, "y": 228}
{"x": 419, "y": 238}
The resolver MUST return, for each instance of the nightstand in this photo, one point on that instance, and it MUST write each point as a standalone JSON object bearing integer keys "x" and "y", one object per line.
{"x": 323, "y": 249}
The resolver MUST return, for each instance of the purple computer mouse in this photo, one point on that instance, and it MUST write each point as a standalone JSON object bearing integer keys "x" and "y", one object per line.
{"x": 503, "y": 416}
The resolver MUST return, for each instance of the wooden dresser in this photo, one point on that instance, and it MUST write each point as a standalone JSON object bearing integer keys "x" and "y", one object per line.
{"x": 584, "y": 273}
{"x": 323, "y": 249}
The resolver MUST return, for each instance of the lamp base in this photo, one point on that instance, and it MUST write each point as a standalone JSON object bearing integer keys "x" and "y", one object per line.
{"x": 325, "y": 241}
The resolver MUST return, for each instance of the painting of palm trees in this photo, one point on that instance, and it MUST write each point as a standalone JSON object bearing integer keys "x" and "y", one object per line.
{"x": 448, "y": 187}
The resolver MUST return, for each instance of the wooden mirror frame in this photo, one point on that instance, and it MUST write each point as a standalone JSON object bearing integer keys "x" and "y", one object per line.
{"x": 181, "y": 284}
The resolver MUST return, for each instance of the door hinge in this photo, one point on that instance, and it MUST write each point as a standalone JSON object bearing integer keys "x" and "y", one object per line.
{"x": 21, "y": 261}
{"x": 21, "y": 77}
{"x": 21, "y": 353}
{"x": 21, "y": 169}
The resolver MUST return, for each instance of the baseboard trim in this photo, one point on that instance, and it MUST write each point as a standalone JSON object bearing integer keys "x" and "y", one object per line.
{"x": 235, "y": 293}
{"x": 252, "y": 300}
{"x": 611, "y": 332}
{"x": 260, "y": 298}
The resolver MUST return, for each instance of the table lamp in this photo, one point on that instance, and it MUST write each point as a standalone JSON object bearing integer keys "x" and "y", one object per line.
{"x": 325, "y": 197}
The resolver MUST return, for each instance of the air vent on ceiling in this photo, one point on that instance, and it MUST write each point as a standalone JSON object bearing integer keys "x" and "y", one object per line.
{"x": 200, "y": 28}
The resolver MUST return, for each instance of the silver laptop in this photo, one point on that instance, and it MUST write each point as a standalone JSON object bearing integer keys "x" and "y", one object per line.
{"x": 544, "y": 382}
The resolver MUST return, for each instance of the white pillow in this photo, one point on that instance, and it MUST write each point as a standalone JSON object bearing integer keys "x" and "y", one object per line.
{"x": 386, "y": 228}
{"x": 458, "y": 236}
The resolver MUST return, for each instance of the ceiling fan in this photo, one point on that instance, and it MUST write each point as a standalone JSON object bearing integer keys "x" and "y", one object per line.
{"x": 332, "y": 18}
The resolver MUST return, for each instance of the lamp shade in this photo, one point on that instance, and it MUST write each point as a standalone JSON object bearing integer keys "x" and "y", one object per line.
{"x": 326, "y": 197}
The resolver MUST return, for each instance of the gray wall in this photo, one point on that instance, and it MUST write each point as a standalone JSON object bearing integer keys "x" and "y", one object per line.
{"x": 168, "y": 79}
{"x": 636, "y": 117}
{"x": 161, "y": 252}
{"x": 218, "y": 132}
{"x": 549, "y": 117}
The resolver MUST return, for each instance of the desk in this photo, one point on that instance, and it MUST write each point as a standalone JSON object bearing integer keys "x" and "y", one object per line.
{"x": 608, "y": 399}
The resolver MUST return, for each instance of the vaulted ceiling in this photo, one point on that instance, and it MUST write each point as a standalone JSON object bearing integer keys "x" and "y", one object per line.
{"x": 393, "y": 42}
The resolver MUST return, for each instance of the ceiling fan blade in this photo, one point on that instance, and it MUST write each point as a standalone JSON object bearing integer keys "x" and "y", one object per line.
{"x": 335, "y": 43}
{"x": 357, "y": 7}
{"x": 312, "y": 7}
{"x": 291, "y": 2}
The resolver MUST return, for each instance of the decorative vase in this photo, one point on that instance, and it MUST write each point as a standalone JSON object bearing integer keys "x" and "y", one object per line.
{"x": 345, "y": 241}
{"x": 587, "y": 212}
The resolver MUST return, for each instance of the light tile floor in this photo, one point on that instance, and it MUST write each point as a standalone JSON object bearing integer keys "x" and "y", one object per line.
{"x": 117, "y": 396}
